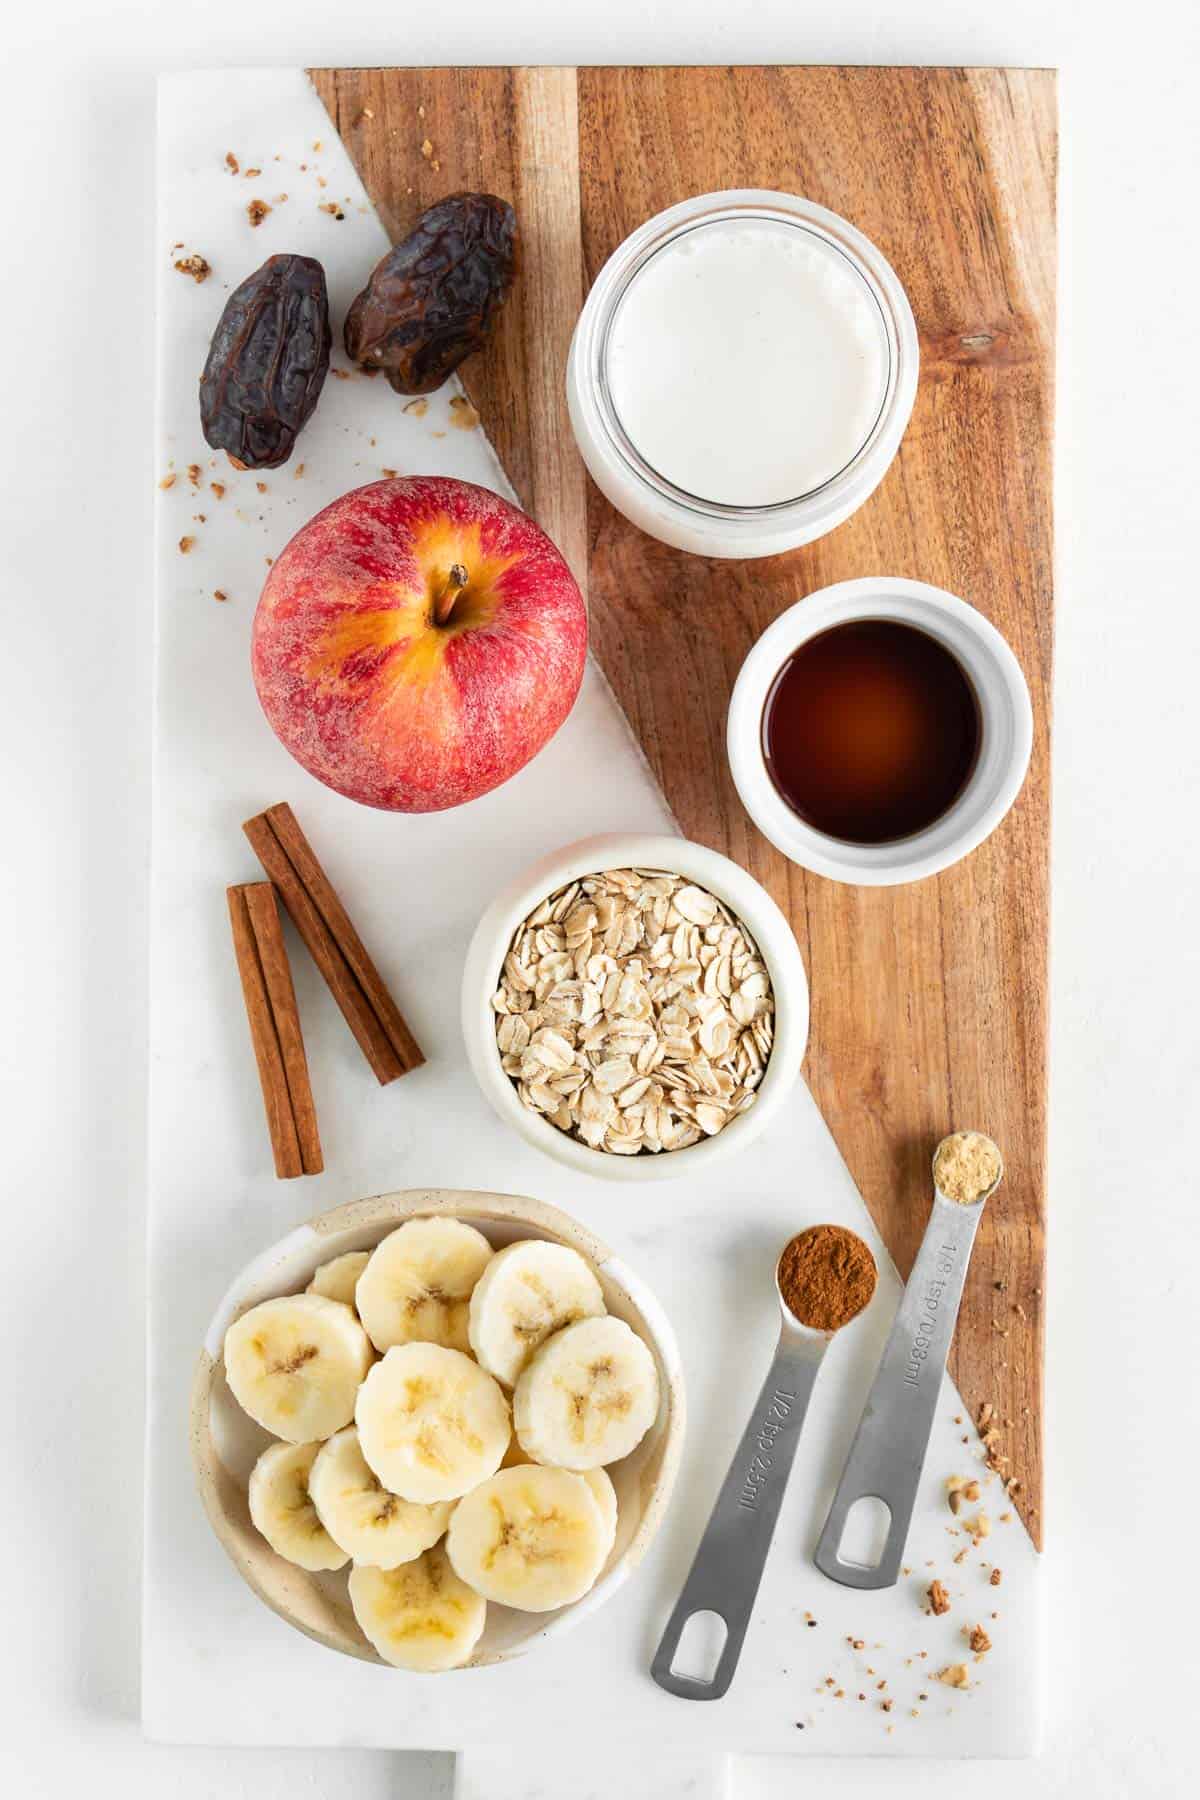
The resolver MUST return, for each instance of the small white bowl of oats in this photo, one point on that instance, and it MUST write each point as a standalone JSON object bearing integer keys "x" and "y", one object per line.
{"x": 635, "y": 1006}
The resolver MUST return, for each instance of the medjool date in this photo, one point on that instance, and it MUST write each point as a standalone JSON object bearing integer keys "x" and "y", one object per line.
{"x": 267, "y": 362}
{"x": 433, "y": 299}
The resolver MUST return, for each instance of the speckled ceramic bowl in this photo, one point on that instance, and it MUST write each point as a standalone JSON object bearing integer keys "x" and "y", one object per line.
{"x": 226, "y": 1444}
{"x": 745, "y": 898}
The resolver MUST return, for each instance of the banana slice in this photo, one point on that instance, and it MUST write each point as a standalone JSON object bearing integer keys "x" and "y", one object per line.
{"x": 419, "y": 1616}
{"x": 588, "y": 1396}
{"x": 597, "y": 1479}
{"x": 374, "y": 1527}
{"x": 528, "y": 1290}
{"x": 605, "y": 1496}
{"x": 295, "y": 1364}
{"x": 431, "y": 1423}
{"x": 530, "y": 1537}
{"x": 418, "y": 1281}
{"x": 282, "y": 1509}
{"x": 338, "y": 1279}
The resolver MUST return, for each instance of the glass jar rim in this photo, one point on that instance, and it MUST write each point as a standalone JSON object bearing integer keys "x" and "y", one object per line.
{"x": 631, "y": 259}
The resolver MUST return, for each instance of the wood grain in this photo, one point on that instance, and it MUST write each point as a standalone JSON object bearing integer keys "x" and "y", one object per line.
{"x": 512, "y": 132}
{"x": 929, "y": 1002}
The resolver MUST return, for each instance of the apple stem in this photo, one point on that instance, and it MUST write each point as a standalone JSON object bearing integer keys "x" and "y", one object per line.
{"x": 444, "y": 599}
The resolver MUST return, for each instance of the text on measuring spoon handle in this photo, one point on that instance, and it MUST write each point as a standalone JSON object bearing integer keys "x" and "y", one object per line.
{"x": 778, "y": 1415}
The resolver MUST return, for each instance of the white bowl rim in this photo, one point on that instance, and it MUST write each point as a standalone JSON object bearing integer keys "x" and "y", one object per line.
{"x": 746, "y": 897}
{"x": 1000, "y": 684}
{"x": 391, "y": 1209}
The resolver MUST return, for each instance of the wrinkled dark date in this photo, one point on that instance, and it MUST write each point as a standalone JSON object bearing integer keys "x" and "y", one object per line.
{"x": 267, "y": 362}
{"x": 434, "y": 298}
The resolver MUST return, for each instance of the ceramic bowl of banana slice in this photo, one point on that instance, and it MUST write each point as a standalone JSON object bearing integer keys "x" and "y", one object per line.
{"x": 436, "y": 1428}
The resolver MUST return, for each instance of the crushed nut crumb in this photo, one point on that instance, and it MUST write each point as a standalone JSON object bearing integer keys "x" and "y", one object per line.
{"x": 462, "y": 414}
{"x": 257, "y": 211}
{"x": 978, "y": 1639}
{"x": 185, "y": 544}
{"x": 196, "y": 266}
{"x": 954, "y": 1675}
{"x": 939, "y": 1599}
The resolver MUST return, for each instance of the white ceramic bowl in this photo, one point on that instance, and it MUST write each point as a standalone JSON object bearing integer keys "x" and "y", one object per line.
{"x": 745, "y": 898}
{"x": 1006, "y": 737}
{"x": 226, "y": 1444}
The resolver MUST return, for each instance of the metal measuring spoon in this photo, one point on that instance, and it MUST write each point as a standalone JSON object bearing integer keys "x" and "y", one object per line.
{"x": 888, "y": 1451}
{"x": 725, "y": 1574}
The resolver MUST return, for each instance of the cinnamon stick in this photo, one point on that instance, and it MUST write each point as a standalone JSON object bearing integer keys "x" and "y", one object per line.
{"x": 272, "y": 954}
{"x": 285, "y": 1144}
{"x": 333, "y": 943}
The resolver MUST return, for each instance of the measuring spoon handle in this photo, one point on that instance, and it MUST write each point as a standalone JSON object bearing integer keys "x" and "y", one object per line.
{"x": 725, "y": 1575}
{"x": 889, "y": 1447}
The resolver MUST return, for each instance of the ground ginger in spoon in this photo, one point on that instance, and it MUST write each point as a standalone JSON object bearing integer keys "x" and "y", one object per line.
{"x": 966, "y": 1167}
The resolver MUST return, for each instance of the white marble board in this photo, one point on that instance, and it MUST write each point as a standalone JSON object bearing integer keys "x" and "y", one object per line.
{"x": 218, "y": 1667}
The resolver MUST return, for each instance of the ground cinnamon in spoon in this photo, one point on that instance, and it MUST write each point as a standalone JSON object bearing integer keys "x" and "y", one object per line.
{"x": 826, "y": 1277}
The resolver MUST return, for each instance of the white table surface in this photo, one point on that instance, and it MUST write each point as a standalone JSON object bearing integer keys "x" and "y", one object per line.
{"x": 76, "y": 498}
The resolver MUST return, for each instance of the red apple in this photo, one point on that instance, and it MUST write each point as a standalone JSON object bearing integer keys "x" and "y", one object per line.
{"x": 417, "y": 642}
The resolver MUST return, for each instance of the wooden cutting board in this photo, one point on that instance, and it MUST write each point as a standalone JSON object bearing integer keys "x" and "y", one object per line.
{"x": 929, "y": 1001}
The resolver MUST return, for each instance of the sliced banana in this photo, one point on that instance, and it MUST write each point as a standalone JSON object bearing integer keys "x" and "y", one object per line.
{"x": 588, "y": 1396}
{"x": 598, "y": 1480}
{"x": 419, "y": 1616}
{"x": 431, "y": 1423}
{"x": 338, "y": 1279}
{"x": 282, "y": 1509}
{"x": 374, "y": 1527}
{"x": 605, "y": 1496}
{"x": 417, "y": 1284}
{"x": 531, "y": 1537}
{"x": 528, "y": 1291}
{"x": 294, "y": 1364}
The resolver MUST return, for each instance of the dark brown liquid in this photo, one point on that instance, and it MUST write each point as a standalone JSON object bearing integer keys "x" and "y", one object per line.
{"x": 870, "y": 731}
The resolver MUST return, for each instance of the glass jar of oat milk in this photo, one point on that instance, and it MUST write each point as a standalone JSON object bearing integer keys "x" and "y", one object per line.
{"x": 742, "y": 373}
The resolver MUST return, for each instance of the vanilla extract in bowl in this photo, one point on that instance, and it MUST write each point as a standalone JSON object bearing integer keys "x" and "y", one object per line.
{"x": 871, "y": 731}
